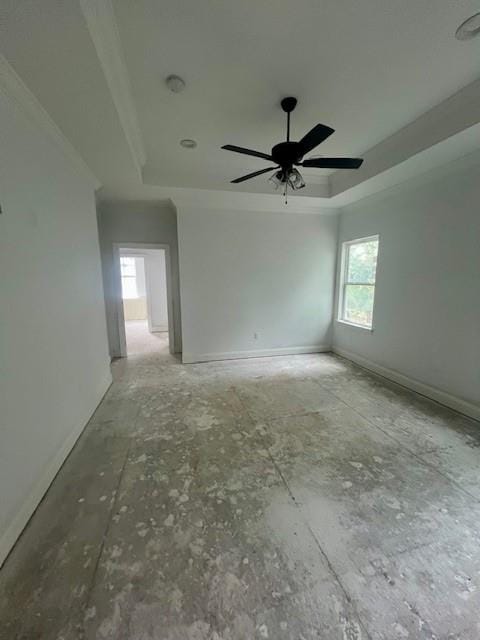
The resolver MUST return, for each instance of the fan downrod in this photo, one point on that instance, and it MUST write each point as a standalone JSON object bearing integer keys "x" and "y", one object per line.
{"x": 288, "y": 104}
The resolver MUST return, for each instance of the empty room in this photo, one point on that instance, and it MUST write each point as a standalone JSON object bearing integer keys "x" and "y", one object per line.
{"x": 240, "y": 320}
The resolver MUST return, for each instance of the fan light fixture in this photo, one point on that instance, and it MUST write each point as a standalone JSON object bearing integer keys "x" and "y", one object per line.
{"x": 292, "y": 178}
{"x": 469, "y": 29}
{"x": 287, "y": 154}
{"x": 287, "y": 178}
{"x": 277, "y": 179}
{"x": 295, "y": 179}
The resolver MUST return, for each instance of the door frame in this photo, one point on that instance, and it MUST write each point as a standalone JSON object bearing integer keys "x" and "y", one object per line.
{"x": 117, "y": 282}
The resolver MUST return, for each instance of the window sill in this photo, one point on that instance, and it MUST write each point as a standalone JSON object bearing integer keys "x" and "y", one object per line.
{"x": 356, "y": 326}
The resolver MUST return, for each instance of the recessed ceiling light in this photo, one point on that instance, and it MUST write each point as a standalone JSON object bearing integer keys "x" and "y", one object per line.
{"x": 469, "y": 29}
{"x": 175, "y": 83}
{"x": 188, "y": 143}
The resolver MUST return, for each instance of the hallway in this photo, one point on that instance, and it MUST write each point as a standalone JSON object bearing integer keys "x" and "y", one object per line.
{"x": 287, "y": 498}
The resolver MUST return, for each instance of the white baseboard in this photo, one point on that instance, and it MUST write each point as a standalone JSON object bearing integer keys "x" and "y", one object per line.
{"x": 13, "y": 531}
{"x": 190, "y": 358}
{"x": 159, "y": 328}
{"x": 442, "y": 397}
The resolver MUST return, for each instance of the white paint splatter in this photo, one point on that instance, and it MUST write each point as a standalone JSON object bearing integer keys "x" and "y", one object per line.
{"x": 400, "y": 630}
{"x": 168, "y": 522}
{"x": 393, "y": 503}
{"x": 90, "y": 613}
{"x": 116, "y": 552}
{"x": 356, "y": 465}
{"x": 205, "y": 422}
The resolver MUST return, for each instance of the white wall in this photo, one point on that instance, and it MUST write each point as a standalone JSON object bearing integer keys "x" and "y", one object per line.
{"x": 255, "y": 272}
{"x": 142, "y": 222}
{"x": 135, "y": 309}
{"x": 427, "y": 302}
{"x": 157, "y": 289}
{"x": 53, "y": 344}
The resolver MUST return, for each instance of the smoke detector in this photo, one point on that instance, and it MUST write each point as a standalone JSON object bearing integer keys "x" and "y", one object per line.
{"x": 175, "y": 83}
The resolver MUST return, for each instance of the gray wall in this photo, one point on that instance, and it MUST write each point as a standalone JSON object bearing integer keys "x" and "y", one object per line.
{"x": 54, "y": 365}
{"x": 246, "y": 272}
{"x": 147, "y": 222}
{"x": 427, "y": 303}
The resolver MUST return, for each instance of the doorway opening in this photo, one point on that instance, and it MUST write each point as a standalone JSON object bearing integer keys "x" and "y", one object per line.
{"x": 144, "y": 312}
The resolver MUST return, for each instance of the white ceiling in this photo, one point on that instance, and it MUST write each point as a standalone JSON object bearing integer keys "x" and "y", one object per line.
{"x": 365, "y": 68}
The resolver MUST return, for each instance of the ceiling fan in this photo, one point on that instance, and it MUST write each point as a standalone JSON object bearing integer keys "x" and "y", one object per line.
{"x": 289, "y": 153}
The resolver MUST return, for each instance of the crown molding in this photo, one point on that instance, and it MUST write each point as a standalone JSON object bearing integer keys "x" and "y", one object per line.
{"x": 13, "y": 87}
{"x": 318, "y": 189}
{"x": 191, "y": 200}
{"x": 102, "y": 25}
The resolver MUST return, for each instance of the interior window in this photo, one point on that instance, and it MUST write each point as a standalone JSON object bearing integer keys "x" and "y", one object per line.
{"x": 357, "y": 292}
{"x": 129, "y": 277}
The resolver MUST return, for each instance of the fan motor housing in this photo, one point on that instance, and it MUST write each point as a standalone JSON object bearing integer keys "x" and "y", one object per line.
{"x": 286, "y": 154}
{"x": 288, "y": 104}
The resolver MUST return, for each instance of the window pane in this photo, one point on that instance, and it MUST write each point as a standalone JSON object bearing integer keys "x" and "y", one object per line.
{"x": 362, "y": 262}
{"x": 129, "y": 287}
{"x": 127, "y": 266}
{"x": 358, "y": 304}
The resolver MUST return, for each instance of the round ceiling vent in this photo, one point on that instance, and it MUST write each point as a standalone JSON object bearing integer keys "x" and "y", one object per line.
{"x": 469, "y": 29}
{"x": 187, "y": 143}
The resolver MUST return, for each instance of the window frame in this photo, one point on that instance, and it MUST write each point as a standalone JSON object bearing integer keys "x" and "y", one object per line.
{"x": 344, "y": 283}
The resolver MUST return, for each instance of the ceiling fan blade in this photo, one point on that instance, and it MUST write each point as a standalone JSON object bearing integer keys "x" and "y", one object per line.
{"x": 333, "y": 163}
{"x": 247, "y": 152}
{"x": 252, "y": 175}
{"x": 314, "y": 137}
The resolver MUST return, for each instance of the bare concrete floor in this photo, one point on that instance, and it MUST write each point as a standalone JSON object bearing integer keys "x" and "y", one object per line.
{"x": 284, "y": 498}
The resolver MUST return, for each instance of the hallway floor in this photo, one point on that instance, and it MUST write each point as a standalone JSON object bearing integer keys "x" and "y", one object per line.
{"x": 141, "y": 341}
{"x": 292, "y": 498}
